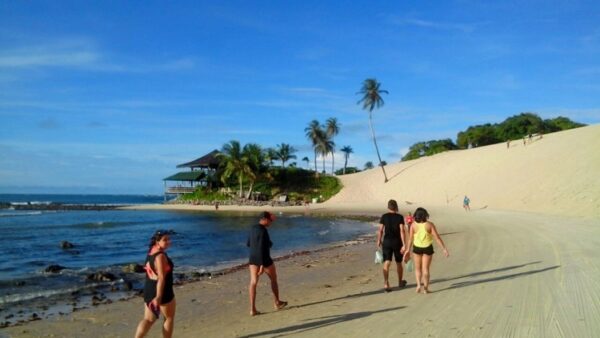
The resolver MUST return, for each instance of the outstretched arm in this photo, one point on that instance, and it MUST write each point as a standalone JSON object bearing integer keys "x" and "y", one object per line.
{"x": 439, "y": 239}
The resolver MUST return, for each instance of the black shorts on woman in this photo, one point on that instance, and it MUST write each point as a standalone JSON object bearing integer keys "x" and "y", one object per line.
{"x": 423, "y": 251}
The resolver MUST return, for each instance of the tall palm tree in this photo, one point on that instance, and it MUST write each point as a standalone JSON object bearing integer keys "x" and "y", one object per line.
{"x": 369, "y": 165}
{"x": 325, "y": 146}
{"x": 332, "y": 128}
{"x": 235, "y": 163}
{"x": 371, "y": 100}
{"x": 285, "y": 152}
{"x": 307, "y": 160}
{"x": 314, "y": 133}
{"x": 347, "y": 150}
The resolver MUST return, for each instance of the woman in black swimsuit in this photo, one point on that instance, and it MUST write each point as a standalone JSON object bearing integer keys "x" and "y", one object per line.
{"x": 158, "y": 289}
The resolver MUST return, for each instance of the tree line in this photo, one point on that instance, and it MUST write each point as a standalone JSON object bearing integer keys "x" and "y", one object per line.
{"x": 513, "y": 128}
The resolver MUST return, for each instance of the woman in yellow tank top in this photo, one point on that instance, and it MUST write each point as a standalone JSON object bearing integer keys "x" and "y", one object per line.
{"x": 421, "y": 236}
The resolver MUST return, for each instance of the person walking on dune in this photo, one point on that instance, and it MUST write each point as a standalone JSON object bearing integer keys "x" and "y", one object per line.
{"x": 260, "y": 261}
{"x": 466, "y": 202}
{"x": 391, "y": 238}
{"x": 421, "y": 242}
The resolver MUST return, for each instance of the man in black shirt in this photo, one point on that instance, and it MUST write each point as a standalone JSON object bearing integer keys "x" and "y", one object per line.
{"x": 260, "y": 261}
{"x": 391, "y": 238}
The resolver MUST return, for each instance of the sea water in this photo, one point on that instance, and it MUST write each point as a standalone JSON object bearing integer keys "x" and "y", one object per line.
{"x": 106, "y": 240}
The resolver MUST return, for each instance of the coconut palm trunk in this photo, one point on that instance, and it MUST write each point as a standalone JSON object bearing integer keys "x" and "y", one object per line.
{"x": 332, "y": 163}
{"x": 376, "y": 147}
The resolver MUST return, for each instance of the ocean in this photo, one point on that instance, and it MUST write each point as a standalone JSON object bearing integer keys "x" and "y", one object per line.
{"x": 107, "y": 240}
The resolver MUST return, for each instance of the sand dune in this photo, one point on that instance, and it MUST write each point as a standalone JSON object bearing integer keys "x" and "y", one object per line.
{"x": 558, "y": 174}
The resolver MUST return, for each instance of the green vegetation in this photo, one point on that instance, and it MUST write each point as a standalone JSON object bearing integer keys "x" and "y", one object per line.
{"x": 203, "y": 194}
{"x": 513, "y": 128}
{"x": 298, "y": 184}
{"x": 428, "y": 148}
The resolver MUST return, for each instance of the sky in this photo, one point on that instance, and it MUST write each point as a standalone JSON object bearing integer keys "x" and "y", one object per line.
{"x": 107, "y": 97}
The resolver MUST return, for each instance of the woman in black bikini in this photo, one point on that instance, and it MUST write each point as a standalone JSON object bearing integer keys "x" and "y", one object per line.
{"x": 158, "y": 289}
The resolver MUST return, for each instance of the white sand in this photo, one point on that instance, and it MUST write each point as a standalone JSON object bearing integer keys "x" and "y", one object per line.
{"x": 524, "y": 266}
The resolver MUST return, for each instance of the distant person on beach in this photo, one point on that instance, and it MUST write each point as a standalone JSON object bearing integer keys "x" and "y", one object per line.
{"x": 391, "y": 238}
{"x": 466, "y": 202}
{"x": 158, "y": 288}
{"x": 409, "y": 220}
{"x": 260, "y": 261}
{"x": 421, "y": 241}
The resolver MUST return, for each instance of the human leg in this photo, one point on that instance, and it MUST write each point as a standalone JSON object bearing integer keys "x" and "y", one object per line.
{"x": 168, "y": 311}
{"x": 386, "y": 273}
{"x": 146, "y": 323}
{"x": 400, "y": 270}
{"x": 426, "y": 263}
{"x": 271, "y": 271}
{"x": 254, "y": 269}
{"x": 417, "y": 261}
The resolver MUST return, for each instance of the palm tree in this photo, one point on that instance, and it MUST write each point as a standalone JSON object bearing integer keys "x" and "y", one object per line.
{"x": 307, "y": 160}
{"x": 234, "y": 162}
{"x": 325, "y": 146}
{"x": 332, "y": 128}
{"x": 372, "y": 99}
{"x": 285, "y": 152}
{"x": 314, "y": 134}
{"x": 347, "y": 150}
{"x": 270, "y": 155}
{"x": 369, "y": 165}
{"x": 255, "y": 159}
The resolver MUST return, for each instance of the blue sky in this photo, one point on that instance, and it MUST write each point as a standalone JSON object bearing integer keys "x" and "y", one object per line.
{"x": 109, "y": 96}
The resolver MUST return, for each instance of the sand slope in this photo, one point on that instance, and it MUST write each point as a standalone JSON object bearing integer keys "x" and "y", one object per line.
{"x": 558, "y": 174}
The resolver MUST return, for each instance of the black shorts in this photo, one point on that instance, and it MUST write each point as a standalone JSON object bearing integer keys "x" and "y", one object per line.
{"x": 423, "y": 251}
{"x": 388, "y": 251}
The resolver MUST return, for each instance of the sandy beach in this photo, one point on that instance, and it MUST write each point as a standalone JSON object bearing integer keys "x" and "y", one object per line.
{"x": 523, "y": 262}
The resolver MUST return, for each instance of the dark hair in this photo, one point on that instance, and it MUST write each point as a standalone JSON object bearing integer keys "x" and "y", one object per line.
{"x": 266, "y": 215}
{"x": 393, "y": 205}
{"x": 158, "y": 235}
{"x": 421, "y": 215}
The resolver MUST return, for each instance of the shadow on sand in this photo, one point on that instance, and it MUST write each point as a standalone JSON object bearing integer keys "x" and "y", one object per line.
{"x": 316, "y": 323}
{"x": 320, "y": 322}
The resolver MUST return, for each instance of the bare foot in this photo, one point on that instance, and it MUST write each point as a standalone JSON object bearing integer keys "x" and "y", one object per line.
{"x": 280, "y": 305}
{"x": 254, "y": 313}
{"x": 425, "y": 291}
{"x": 418, "y": 289}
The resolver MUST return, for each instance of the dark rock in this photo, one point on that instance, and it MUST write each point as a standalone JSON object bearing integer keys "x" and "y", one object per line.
{"x": 127, "y": 285}
{"x": 66, "y": 245}
{"x": 34, "y": 316}
{"x": 20, "y": 283}
{"x": 133, "y": 268}
{"x": 197, "y": 274}
{"x": 101, "y": 277}
{"x": 9, "y": 316}
{"x": 54, "y": 268}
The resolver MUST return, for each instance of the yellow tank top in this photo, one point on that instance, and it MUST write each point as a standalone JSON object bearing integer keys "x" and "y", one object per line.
{"x": 422, "y": 238}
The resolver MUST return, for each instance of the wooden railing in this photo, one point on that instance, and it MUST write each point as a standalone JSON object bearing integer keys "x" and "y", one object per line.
{"x": 180, "y": 190}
